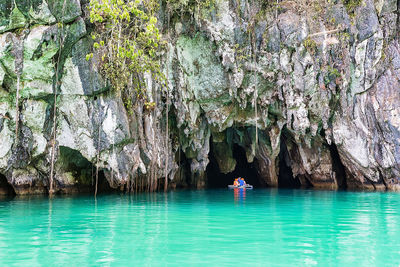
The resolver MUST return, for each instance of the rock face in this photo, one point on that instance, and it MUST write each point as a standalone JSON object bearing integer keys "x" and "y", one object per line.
{"x": 306, "y": 85}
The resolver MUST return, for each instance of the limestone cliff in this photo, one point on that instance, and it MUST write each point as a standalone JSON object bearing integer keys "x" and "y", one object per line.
{"x": 310, "y": 85}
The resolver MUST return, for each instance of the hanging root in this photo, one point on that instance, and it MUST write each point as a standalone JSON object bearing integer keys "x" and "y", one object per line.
{"x": 255, "y": 99}
{"x": 17, "y": 108}
{"x": 97, "y": 161}
{"x": 51, "y": 189}
{"x": 166, "y": 118}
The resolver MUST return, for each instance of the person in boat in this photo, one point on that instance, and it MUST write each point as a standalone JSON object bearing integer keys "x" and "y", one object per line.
{"x": 241, "y": 182}
{"x": 236, "y": 182}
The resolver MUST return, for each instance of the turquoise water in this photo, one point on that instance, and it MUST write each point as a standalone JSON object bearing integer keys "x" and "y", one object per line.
{"x": 266, "y": 227}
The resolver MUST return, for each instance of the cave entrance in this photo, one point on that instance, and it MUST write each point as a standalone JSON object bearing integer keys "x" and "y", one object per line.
{"x": 338, "y": 167}
{"x": 5, "y": 188}
{"x": 216, "y": 179}
{"x": 182, "y": 178}
{"x": 83, "y": 171}
{"x": 285, "y": 175}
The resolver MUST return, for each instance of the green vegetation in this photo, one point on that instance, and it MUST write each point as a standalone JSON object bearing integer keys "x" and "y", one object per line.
{"x": 343, "y": 37}
{"x": 333, "y": 74}
{"x": 310, "y": 45}
{"x": 334, "y": 71}
{"x": 149, "y": 105}
{"x": 265, "y": 8}
{"x": 127, "y": 40}
{"x": 191, "y": 6}
{"x": 241, "y": 55}
{"x": 351, "y": 6}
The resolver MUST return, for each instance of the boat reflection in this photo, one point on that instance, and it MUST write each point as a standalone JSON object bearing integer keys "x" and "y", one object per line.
{"x": 239, "y": 194}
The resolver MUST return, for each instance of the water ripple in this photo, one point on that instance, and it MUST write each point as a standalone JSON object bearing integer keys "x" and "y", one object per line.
{"x": 263, "y": 227}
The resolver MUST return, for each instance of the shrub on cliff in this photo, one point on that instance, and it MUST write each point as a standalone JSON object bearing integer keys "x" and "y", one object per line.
{"x": 127, "y": 39}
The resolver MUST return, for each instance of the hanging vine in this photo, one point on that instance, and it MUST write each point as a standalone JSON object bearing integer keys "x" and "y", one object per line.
{"x": 17, "y": 106}
{"x": 97, "y": 157}
{"x": 253, "y": 53}
{"x": 167, "y": 109}
{"x": 56, "y": 86}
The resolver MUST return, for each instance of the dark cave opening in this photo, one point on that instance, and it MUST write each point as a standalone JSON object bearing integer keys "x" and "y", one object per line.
{"x": 103, "y": 185}
{"x": 216, "y": 179}
{"x": 285, "y": 175}
{"x": 182, "y": 178}
{"x": 338, "y": 167}
{"x": 5, "y": 188}
{"x": 83, "y": 171}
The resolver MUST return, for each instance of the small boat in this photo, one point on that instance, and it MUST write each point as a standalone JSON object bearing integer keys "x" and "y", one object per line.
{"x": 247, "y": 186}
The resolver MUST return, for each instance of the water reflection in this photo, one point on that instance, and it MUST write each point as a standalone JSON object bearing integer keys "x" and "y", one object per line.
{"x": 240, "y": 194}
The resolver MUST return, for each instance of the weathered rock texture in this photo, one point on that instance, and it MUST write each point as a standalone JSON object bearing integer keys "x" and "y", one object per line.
{"x": 319, "y": 79}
